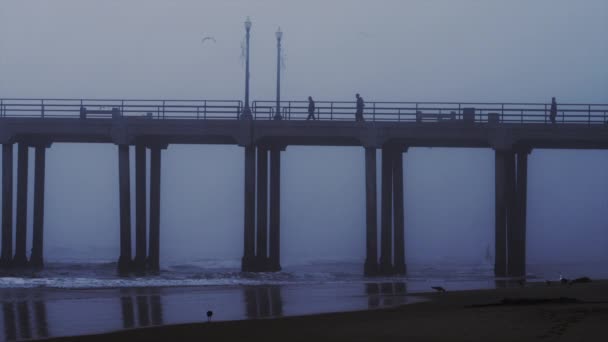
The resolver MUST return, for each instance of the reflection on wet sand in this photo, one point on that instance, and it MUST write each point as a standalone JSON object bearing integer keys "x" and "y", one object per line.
{"x": 16, "y": 309}
{"x": 263, "y": 301}
{"x": 149, "y": 307}
{"x": 385, "y": 294}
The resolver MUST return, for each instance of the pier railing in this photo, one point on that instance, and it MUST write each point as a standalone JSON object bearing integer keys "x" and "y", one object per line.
{"x": 494, "y": 113}
{"x": 107, "y": 108}
{"x": 513, "y": 113}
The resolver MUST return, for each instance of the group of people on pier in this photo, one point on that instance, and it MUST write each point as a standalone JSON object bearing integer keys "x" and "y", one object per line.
{"x": 358, "y": 112}
{"x": 361, "y": 105}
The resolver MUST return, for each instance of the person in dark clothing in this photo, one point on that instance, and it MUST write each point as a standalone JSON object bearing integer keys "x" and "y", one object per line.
{"x": 553, "y": 111}
{"x": 311, "y": 108}
{"x": 360, "y": 105}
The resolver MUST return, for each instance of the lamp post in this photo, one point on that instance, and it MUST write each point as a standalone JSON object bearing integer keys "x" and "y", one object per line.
{"x": 246, "y": 110}
{"x": 277, "y": 115}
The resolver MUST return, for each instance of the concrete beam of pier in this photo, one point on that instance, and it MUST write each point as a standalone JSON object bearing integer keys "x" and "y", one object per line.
{"x": 386, "y": 233}
{"x": 262, "y": 209}
{"x": 248, "y": 261}
{"x": 516, "y": 233}
{"x": 139, "y": 263}
{"x": 274, "y": 263}
{"x": 20, "y": 258}
{"x": 371, "y": 213}
{"x": 124, "y": 261}
{"x": 37, "y": 258}
{"x": 500, "y": 231}
{"x": 155, "y": 172}
{"x": 398, "y": 210}
{"x": 7, "y": 205}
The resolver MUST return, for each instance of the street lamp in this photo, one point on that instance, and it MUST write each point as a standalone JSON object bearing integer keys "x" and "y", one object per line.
{"x": 246, "y": 110}
{"x": 277, "y": 115}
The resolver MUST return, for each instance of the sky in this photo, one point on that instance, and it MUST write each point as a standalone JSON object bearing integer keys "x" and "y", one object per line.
{"x": 432, "y": 50}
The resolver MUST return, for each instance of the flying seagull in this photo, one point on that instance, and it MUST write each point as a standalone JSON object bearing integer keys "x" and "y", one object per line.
{"x": 208, "y": 38}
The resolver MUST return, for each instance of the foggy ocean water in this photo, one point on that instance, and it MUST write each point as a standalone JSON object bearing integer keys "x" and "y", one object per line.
{"x": 83, "y": 298}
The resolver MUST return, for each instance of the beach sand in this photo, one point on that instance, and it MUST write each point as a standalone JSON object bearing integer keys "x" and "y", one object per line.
{"x": 580, "y": 315}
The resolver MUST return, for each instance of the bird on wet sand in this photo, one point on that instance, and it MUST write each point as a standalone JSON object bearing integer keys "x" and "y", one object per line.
{"x": 209, "y": 314}
{"x": 438, "y": 289}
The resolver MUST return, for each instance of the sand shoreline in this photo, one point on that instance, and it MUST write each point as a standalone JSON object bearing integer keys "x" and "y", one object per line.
{"x": 450, "y": 316}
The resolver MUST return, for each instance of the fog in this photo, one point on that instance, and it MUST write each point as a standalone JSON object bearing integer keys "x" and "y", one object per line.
{"x": 468, "y": 50}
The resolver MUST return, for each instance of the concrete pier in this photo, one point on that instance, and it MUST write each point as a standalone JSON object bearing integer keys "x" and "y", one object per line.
{"x": 20, "y": 258}
{"x": 386, "y": 232}
{"x": 139, "y": 263}
{"x": 500, "y": 230}
{"x": 262, "y": 209}
{"x": 398, "y": 210}
{"x": 124, "y": 261}
{"x": 248, "y": 261}
{"x": 7, "y": 205}
{"x": 371, "y": 213}
{"x": 154, "y": 238}
{"x": 516, "y": 233}
{"x": 274, "y": 263}
{"x": 37, "y": 256}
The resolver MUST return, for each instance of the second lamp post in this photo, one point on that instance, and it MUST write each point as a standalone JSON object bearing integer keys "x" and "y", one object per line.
{"x": 277, "y": 114}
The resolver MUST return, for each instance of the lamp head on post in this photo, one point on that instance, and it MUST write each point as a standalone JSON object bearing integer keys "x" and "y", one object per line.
{"x": 248, "y": 24}
{"x": 279, "y": 34}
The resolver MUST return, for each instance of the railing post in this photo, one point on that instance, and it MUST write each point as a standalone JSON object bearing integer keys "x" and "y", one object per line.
{"x": 197, "y": 112}
{"x": 42, "y": 108}
{"x": 589, "y": 114}
{"x": 398, "y": 114}
{"x": 205, "y": 109}
{"x": 122, "y": 107}
{"x": 374, "y": 115}
{"x": 163, "y": 109}
{"x": 331, "y": 111}
{"x": 502, "y": 112}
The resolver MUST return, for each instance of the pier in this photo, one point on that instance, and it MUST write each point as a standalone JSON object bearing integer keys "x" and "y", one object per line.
{"x": 512, "y": 130}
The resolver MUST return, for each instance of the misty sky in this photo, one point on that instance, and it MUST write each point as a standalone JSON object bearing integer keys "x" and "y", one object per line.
{"x": 386, "y": 50}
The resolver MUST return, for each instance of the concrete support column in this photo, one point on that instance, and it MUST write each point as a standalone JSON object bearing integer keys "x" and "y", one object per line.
{"x": 262, "y": 209}
{"x": 371, "y": 213}
{"x": 248, "y": 261}
{"x": 386, "y": 233}
{"x": 124, "y": 261}
{"x": 517, "y": 230}
{"x": 398, "y": 208}
{"x": 500, "y": 182}
{"x": 7, "y": 205}
{"x": 274, "y": 263}
{"x": 36, "y": 259}
{"x": 20, "y": 258}
{"x": 139, "y": 263}
{"x": 511, "y": 204}
{"x": 154, "y": 247}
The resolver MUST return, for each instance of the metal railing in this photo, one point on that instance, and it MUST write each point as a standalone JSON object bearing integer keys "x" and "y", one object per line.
{"x": 522, "y": 113}
{"x": 106, "y": 108}
{"x": 423, "y": 112}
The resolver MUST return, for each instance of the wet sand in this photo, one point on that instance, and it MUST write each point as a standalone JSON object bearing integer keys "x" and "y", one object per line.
{"x": 533, "y": 312}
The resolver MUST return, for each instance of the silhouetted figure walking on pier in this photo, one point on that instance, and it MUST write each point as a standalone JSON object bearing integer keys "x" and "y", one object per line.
{"x": 553, "y": 111}
{"x": 311, "y": 108}
{"x": 360, "y": 105}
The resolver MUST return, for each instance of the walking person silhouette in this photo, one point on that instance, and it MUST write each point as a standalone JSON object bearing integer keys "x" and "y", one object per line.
{"x": 311, "y": 108}
{"x": 360, "y": 105}
{"x": 553, "y": 111}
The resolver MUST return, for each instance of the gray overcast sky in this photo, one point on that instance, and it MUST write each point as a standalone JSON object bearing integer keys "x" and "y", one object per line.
{"x": 463, "y": 50}
{"x": 442, "y": 50}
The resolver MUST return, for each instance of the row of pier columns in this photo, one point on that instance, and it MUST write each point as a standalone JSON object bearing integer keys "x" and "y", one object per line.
{"x": 262, "y": 208}
{"x": 19, "y": 258}
{"x": 147, "y": 235}
{"x": 392, "y": 233}
{"x": 511, "y": 168}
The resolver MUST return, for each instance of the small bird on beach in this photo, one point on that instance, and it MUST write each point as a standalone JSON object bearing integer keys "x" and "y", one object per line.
{"x": 580, "y": 280}
{"x": 438, "y": 289}
{"x": 209, "y": 314}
